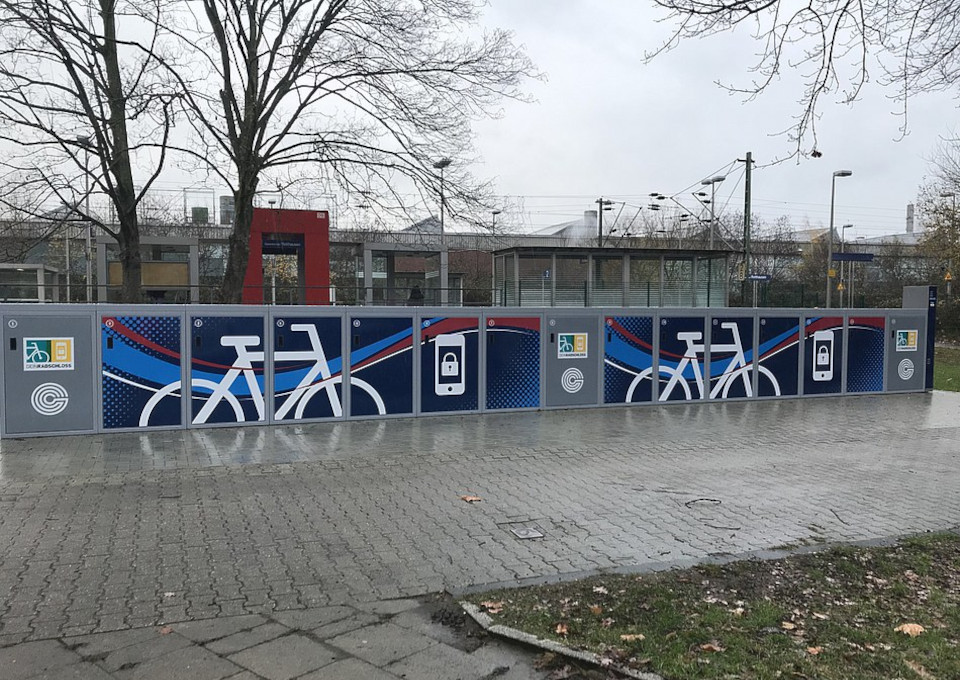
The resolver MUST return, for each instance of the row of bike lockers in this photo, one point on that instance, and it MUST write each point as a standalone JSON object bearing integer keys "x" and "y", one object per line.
{"x": 82, "y": 369}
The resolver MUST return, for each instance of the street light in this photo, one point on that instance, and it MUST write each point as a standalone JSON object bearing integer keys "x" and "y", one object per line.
{"x": 440, "y": 165}
{"x": 833, "y": 195}
{"x": 953, "y": 237}
{"x": 843, "y": 265}
{"x": 712, "y": 183}
{"x": 494, "y": 213}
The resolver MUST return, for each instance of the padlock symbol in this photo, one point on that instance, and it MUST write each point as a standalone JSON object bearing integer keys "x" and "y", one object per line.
{"x": 449, "y": 366}
{"x": 823, "y": 356}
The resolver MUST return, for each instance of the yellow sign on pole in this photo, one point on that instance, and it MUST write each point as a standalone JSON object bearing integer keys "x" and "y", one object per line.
{"x": 948, "y": 277}
{"x": 832, "y": 273}
{"x": 840, "y": 286}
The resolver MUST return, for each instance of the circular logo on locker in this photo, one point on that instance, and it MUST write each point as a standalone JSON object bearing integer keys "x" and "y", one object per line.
{"x": 49, "y": 399}
{"x": 905, "y": 369}
{"x": 571, "y": 380}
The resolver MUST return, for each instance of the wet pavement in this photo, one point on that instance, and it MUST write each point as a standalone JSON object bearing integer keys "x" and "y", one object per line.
{"x": 135, "y": 531}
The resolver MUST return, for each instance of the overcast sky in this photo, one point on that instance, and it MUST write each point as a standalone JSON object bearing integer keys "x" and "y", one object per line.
{"x": 607, "y": 124}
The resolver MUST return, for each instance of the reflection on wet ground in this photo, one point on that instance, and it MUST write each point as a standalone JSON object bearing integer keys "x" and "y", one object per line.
{"x": 451, "y": 437}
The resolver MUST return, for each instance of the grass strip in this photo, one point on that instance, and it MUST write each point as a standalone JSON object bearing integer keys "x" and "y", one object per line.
{"x": 844, "y": 614}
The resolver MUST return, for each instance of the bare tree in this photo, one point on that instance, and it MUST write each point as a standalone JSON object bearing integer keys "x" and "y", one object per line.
{"x": 367, "y": 94}
{"x": 837, "y": 44}
{"x": 80, "y": 101}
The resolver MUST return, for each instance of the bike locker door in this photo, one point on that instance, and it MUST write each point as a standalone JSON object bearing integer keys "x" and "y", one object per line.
{"x": 449, "y": 364}
{"x": 779, "y": 356}
{"x": 226, "y": 369}
{"x": 140, "y": 368}
{"x": 865, "y": 353}
{"x": 381, "y": 365}
{"x": 307, "y": 368}
{"x": 823, "y": 355}
{"x": 681, "y": 358}
{"x": 731, "y": 359}
{"x": 572, "y": 360}
{"x": 512, "y": 362}
{"x": 48, "y": 364}
{"x": 906, "y": 352}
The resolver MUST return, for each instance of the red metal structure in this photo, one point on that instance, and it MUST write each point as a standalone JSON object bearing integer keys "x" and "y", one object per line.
{"x": 305, "y": 233}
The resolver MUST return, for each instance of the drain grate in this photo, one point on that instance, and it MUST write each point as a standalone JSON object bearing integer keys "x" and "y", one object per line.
{"x": 525, "y": 533}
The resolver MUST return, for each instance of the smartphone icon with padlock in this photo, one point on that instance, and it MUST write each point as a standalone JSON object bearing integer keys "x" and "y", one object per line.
{"x": 823, "y": 356}
{"x": 449, "y": 370}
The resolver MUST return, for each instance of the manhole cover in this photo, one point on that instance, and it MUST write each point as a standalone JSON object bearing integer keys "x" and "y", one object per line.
{"x": 524, "y": 533}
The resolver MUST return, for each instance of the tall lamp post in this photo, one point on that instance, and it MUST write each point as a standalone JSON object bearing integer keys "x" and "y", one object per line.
{"x": 844, "y": 267}
{"x": 833, "y": 196}
{"x": 953, "y": 237}
{"x": 441, "y": 165}
{"x": 444, "y": 267}
{"x": 712, "y": 183}
{"x": 494, "y": 214}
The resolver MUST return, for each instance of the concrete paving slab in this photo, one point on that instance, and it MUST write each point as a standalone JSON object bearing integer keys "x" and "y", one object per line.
{"x": 77, "y": 671}
{"x": 285, "y": 658}
{"x": 382, "y": 643}
{"x": 388, "y": 607}
{"x": 439, "y": 661}
{"x": 213, "y": 629}
{"x": 314, "y": 617}
{"x": 35, "y": 658}
{"x": 194, "y": 663}
{"x": 351, "y": 669}
{"x": 101, "y": 644}
{"x": 135, "y": 655}
{"x": 332, "y": 630}
{"x": 248, "y": 638}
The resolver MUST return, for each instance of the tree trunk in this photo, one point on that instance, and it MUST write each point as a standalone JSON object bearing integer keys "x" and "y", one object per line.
{"x": 239, "y": 251}
{"x": 125, "y": 198}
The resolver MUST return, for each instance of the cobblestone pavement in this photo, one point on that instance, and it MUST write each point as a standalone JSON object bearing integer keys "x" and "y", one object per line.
{"x": 123, "y": 531}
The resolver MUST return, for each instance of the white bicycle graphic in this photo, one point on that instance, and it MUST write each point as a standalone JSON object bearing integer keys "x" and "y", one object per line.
{"x": 737, "y": 369}
{"x": 299, "y": 397}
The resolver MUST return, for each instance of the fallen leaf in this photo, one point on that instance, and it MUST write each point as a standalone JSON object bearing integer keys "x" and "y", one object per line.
{"x": 606, "y": 623}
{"x": 166, "y": 630}
{"x": 600, "y": 589}
{"x": 786, "y": 625}
{"x": 471, "y": 499}
{"x": 813, "y": 651}
{"x": 737, "y": 612}
{"x": 492, "y": 607}
{"x": 596, "y": 609}
{"x": 633, "y": 637}
{"x": 911, "y": 629}
{"x": 561, "y": 629}
{"x": 713, "y": 647}
{"x": 822, "y": 617}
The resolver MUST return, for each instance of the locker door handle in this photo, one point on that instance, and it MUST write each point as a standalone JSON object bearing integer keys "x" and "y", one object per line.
{"x": 280, "y": 341}
{"x": 198, "y": 341}
{"x": 356, "y": 340}
{"x": 551, "y": 338}
{"x": 109, "y": 342}
{"x": 13, "y": 344}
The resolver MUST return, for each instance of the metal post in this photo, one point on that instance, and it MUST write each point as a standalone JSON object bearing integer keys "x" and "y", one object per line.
{"x": 87, "y": 224}
{"x": 833, "y": 195}
{"x": 713, "y": 209}
{"x": 747, "y": 188}
{"x": 66, "y": 255}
